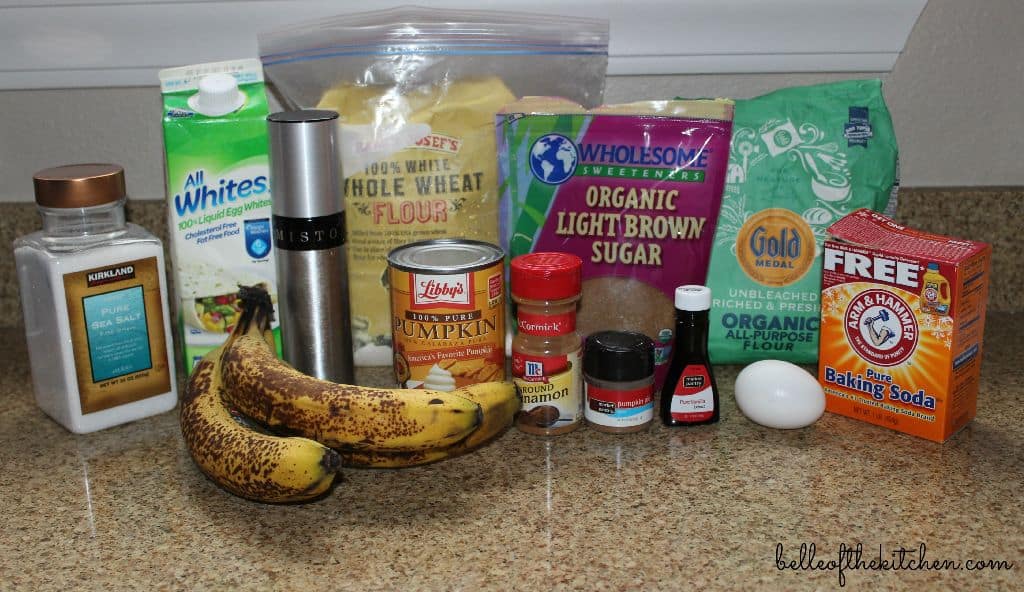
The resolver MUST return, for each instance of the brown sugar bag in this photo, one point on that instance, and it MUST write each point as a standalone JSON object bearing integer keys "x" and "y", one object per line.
{"x": 650, "y": 312}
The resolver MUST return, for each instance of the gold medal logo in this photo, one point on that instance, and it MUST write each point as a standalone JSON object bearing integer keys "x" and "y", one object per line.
{"x": 775, "y": 247}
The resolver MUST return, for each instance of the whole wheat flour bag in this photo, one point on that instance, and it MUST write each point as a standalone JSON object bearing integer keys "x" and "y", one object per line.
{"x": 434, "y": 177}
{"x": 801, "y": 158}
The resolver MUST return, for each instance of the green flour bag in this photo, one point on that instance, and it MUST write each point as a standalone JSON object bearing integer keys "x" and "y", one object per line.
{"x": 800, "y": 159}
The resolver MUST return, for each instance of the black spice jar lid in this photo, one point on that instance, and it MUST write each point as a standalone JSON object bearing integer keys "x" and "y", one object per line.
{"x": 618, "y": 356}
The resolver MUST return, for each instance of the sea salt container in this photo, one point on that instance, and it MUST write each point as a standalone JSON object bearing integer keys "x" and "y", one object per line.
{"x": 93, "y": 294}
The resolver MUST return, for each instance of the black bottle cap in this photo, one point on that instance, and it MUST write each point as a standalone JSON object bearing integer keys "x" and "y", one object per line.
{"x": 618, "y": 356}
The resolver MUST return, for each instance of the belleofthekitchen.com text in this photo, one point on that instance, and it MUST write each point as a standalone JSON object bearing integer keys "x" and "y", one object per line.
{"x": 859, "y": 558}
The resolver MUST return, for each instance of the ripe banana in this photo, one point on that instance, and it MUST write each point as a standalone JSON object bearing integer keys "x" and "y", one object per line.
{"x": 350, "y": 417}
{"x": 499, "y": 403}
{"x": 245, "y": 462}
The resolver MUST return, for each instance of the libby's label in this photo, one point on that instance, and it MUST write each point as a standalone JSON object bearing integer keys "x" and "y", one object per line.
{"x": 429, "y": 290}
{"x": 549, "y": 388}
{"x": 448, "y": 330}
{"x": 619, "y": 408}
{"x": 546, "y": 325}
{"x": 117, "y": 334}
{"x": 693, "y": 399}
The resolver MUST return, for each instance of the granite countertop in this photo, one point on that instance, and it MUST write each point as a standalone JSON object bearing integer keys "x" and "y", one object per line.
{"x": 701, "y": 508}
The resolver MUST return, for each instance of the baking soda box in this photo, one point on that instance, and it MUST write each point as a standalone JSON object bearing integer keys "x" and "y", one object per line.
{"x": 902, "y": 317}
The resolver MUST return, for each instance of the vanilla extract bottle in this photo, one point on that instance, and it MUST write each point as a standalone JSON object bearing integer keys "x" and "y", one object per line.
{"x": 689, "y": 395}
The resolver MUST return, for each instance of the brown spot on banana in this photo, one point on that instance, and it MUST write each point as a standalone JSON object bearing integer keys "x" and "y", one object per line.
{"x": 375, "y": 459}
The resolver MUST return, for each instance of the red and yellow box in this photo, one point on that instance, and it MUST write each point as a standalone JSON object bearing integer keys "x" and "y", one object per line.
{"x": 902, "y": 319}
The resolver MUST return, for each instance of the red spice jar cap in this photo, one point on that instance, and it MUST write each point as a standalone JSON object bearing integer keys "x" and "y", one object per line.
{"x": 546, "y": 276}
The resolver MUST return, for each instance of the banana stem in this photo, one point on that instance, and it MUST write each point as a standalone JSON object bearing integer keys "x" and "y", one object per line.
{"x": 257, "y": 313}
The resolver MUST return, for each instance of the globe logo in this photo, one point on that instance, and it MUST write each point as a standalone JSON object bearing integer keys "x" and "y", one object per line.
{"x": 553, "y": 159}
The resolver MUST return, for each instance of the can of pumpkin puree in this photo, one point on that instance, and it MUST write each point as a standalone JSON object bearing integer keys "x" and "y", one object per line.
{"x": 447, "y": 313}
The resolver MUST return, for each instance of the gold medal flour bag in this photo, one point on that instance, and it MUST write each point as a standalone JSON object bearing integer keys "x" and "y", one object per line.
{"x": 416, "y": 90}
{"x": 801, "y": 158}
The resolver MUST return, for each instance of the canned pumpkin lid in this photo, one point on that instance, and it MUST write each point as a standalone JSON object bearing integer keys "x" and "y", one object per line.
{"x": 445, "y": 255}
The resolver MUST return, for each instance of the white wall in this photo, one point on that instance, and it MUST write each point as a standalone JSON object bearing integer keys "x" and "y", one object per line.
{"x": 956, "y": 96}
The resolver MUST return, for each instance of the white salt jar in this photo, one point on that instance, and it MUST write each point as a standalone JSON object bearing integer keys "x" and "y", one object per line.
{"x": 93, "y": 293}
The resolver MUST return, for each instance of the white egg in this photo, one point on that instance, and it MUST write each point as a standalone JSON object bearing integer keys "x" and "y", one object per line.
{"x": 779, "y": 395}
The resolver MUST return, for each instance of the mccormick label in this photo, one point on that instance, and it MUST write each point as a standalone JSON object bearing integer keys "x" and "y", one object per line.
{"x": 903, "y": 313}
{"x": 546, "y": 325}
{"x": 448, "y": 329}
{"x": 549, "y": 388}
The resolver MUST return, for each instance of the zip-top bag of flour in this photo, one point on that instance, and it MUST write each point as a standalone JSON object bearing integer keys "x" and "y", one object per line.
{"x": 215, "y": 136}
{"x": 801, "y": 158}
{"x": 416, "y": 90}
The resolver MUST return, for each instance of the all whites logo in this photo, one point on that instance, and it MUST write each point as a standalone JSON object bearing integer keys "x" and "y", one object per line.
{"x": 455, "y": 290}
{"x": 881, "y": 327}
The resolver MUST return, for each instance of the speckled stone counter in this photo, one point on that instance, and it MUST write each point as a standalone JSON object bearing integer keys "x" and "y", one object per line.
{"x": 696, "y": 508}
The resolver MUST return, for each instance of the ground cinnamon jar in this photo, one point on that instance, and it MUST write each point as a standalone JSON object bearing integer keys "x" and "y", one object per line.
{"x": 546, "y": 351}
